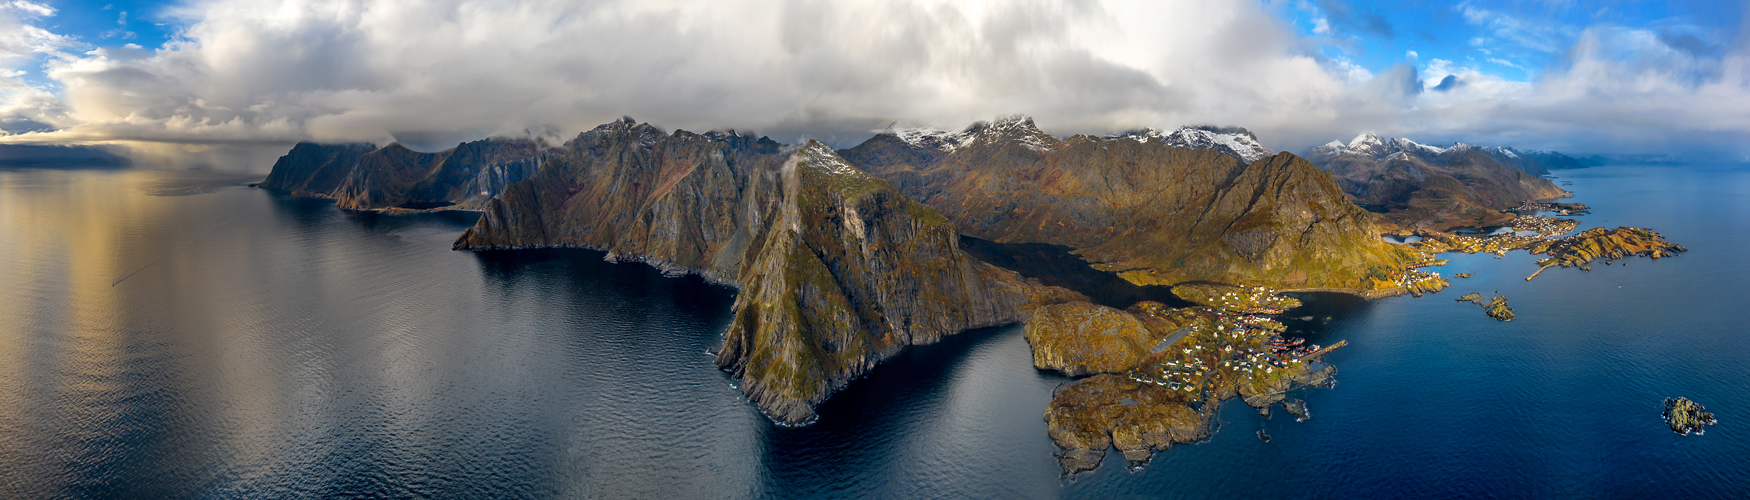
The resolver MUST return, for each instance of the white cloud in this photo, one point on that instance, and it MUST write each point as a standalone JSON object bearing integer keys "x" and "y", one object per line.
{"x": 31, "y": 8}
{"x": 1412, "y": 54}
{"x": 438, "y": 72}
{"x": 1539, "y": 36}
{"x": 450, "y": 70}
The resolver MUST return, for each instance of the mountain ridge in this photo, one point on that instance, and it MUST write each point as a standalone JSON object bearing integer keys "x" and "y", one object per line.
{"x": 1417, "y": 186}
{"x": 836, "y": 269}
{"x": 1154, "y": 212}
{"x": 362, "y": 176}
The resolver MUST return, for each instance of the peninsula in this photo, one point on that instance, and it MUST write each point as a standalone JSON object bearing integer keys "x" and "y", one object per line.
{"x": 1159, "y": 373}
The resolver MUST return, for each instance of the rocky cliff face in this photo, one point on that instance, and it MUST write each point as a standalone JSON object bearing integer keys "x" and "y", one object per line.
{"x": 838, "y": 270}
{"x": 1420, "y": 186}
{"x": 1155, "y": 212}
{"x": 311, "y": 169}
{"x": 363, "y": 177}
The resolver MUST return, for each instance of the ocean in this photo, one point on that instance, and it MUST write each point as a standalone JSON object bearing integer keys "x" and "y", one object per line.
{"x": 174, "y": 334}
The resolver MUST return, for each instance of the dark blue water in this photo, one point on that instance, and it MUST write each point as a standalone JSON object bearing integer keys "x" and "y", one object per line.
{"x": 167, "y": 334}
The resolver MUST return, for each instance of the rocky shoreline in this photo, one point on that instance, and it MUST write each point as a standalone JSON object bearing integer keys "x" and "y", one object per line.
{"x": 1599, "y": 243}
{"x": 1159, "y": 373}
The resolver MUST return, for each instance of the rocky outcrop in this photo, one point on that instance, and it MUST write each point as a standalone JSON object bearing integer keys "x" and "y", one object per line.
{"x": 1495, "y": 308}
{"x": 837, "y": 269}
{"x": 364, "y": 177}
{"x": 1685, "y": 416}
{"x": 1427, "y": 187}
{"x": 1154, "y": 212}
{"x": 1079, "y": 338}
{"x": 1093, "y": 414}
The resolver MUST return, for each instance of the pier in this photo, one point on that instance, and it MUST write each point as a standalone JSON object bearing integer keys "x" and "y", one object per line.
{"x": 1322, "y": 352}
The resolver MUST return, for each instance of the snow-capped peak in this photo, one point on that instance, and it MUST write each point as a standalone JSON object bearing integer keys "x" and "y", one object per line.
{"x": 1233, "y": 141}
{"x": 1414, "y": 147}
{"x": 1140, "y": 135}
{"x": 1503, "y": 151}
{"x": 1333, "y": 148}
{"x": 1367, "y": 144}
{"x": 823, "y": 158}
{"x": 1019, "y": 128}
{"x": 933, "y": 138}
{"x": 1365, "y": 140}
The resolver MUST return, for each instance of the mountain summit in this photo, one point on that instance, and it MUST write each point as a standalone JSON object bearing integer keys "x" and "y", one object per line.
{"x": 1232, "y": 141}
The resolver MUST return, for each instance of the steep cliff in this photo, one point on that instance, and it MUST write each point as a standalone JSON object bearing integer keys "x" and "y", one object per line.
{"x": 363, "y": 177}
{"x": 383, "y": 177}
{"x": 315, "y": 169}
{"x": 1155, "y": 212}
{"x": 837, "y": 269}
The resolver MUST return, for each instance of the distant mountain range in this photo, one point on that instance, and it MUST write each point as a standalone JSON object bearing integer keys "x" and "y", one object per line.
{"x": 58, "y": 156}
{"x": 364, "y": 177}
{"x": 1429, "y": 187}
{"x": 1648, "y": 159}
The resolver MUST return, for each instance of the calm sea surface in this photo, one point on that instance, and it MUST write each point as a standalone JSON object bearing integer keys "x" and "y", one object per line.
{"x": 171, "y": 334}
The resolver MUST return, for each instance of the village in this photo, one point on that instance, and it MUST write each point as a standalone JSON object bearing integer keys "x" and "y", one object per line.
{"x": 1230, "y": 349}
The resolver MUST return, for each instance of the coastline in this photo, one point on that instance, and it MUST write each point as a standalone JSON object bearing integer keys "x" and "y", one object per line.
{"x": 384, "y": 210}
{"x": 1365, "y": 294}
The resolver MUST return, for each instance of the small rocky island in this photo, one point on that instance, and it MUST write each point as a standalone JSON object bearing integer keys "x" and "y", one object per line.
{"x": 1495, "y": 307}
{"x": 1685, "y": 416}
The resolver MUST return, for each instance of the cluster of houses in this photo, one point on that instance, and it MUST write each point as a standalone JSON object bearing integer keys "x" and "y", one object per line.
{"x": 1190, "y": 373}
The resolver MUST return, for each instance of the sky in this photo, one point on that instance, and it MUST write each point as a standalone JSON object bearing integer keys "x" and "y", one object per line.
{"x": 1612, "y": 77}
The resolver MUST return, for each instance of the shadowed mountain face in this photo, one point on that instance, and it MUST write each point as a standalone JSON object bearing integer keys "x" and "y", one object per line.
{"x": 1154, "y": 212}
{"x": 1419, "y": 186}
{"x": 837, "y": 269}
{"x": 363, "y": 177}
